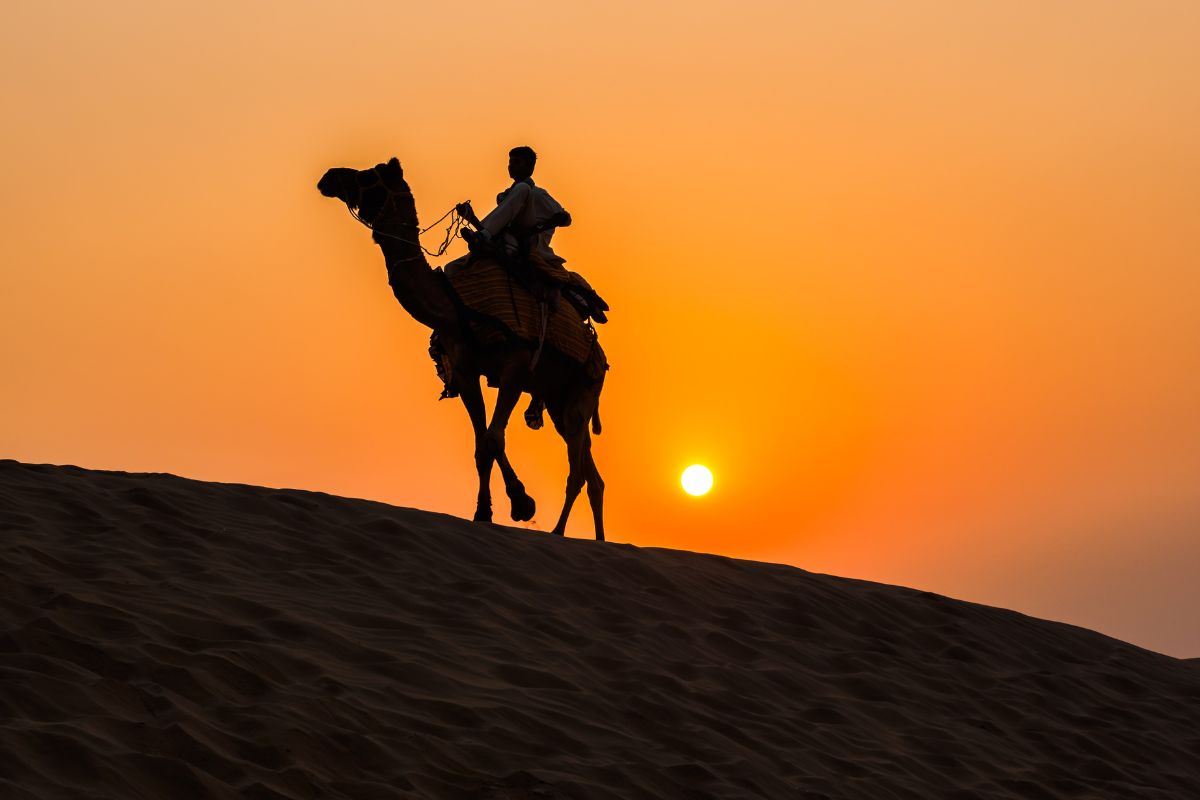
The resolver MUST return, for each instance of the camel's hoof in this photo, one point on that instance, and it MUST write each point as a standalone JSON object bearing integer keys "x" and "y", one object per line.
{"x": 523, "y": 508}
{"x": 482, "y": 516}
{"x": 558, "y": 532}
{"x": 533, "y": 419}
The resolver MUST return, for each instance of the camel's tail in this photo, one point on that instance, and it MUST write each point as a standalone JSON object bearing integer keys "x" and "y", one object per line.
{"x": 596, "y": 419}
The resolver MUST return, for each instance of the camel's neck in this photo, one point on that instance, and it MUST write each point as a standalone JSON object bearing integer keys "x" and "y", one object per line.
{"x": 415, "y": 285}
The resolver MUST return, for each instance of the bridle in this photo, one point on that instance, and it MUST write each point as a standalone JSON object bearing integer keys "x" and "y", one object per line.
{"x": 452, "y": 231}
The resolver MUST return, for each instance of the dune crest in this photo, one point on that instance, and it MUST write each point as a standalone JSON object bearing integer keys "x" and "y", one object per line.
{"x": 163, "y": 637}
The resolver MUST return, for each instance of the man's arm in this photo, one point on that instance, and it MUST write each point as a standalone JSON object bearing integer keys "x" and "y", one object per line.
{"x": 550, "y": 212}
{"x": 506, "y": 212}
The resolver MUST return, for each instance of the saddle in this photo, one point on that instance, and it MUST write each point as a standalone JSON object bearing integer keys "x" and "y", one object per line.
{"x": 502, "y": 308}
{"x": 499, "y": 309}
{"x": 545, "y": 280}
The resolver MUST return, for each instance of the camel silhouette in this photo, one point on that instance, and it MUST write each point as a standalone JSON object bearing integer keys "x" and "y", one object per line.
{"x": 381, "y": 199}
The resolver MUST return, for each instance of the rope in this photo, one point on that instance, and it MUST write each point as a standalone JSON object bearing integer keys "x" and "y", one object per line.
{"x": 512, "y": 298}
{"x": 439, "y": 219}
{"x": 453, "y": 231}
{"x": 541, "y": 335}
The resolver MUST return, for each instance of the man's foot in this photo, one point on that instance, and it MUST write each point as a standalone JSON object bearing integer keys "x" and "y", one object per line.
{"x": 533, "y": 414}
{"x": 598, "y": 306}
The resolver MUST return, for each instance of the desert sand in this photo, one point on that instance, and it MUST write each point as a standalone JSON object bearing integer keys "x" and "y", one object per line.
{"x": 170, "y": 638}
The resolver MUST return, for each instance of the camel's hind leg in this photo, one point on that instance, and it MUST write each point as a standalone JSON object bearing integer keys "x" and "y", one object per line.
{"x": 576, "y": 474}
{"x": 595, "y": 489}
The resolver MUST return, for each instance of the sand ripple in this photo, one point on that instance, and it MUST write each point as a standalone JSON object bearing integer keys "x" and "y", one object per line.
{"x": 161, "y": 637}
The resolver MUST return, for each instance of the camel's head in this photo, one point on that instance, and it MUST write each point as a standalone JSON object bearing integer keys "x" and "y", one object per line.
{"x": 369, "y": 192}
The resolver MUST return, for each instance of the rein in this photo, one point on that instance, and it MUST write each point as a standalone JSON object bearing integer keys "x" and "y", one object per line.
{"x": 453, "y": 230}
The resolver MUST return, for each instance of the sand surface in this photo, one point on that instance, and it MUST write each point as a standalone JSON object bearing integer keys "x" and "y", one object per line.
{"x": 168, "y": 638}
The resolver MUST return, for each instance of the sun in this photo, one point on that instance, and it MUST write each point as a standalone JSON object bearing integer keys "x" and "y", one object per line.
{"x": 697, "y": 480}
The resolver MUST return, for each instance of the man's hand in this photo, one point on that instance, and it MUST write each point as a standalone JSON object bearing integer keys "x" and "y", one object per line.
{"x": 466, "y": 212}
{"x": 559, "y": 219}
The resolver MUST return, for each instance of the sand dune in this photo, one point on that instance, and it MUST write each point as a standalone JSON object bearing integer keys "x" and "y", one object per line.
{"x": 168, "y": 638}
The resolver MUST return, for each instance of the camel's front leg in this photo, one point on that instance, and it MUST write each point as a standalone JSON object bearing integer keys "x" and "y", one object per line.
{"x": 472, "y": 397}
{"x": 523, "y": 507}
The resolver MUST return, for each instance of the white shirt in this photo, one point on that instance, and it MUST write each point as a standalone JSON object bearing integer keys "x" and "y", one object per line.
{"x": 524, "y": 205}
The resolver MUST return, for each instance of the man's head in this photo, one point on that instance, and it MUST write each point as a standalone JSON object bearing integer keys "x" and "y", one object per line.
{"x": 520, "y": 162}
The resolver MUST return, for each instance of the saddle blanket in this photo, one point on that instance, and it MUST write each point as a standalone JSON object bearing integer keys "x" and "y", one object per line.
{"x": 487, "y": 288}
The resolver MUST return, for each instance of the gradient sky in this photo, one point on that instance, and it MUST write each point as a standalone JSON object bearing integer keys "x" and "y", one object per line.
{"x": 917, "y": 280}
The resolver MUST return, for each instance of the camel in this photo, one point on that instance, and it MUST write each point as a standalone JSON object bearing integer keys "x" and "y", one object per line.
{"x": 381, "y": 199}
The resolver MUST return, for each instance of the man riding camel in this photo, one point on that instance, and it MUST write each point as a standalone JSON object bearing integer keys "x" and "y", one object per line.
{"x": 518, "y": 232}
{"x": 520, "y": 229}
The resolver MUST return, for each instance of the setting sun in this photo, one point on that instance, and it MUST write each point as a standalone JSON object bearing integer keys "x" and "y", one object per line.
{"x": 696, "y": 480}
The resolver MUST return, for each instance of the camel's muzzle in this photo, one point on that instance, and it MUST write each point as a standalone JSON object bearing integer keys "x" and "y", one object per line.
{"x": 333, "y": 184}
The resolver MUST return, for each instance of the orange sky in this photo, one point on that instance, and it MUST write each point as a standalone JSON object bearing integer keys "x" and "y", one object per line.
{"x": 917, "y": 280}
